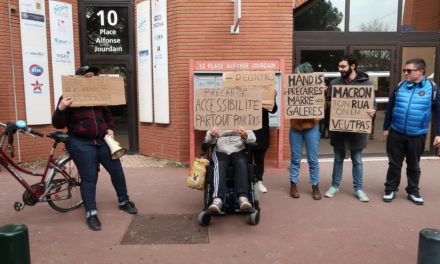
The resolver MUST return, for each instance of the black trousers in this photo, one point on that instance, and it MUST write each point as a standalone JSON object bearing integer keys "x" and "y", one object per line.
{"x": 221, "y": 164}
{"x": 258, "y": 156}
{"x": 400, "y": 146}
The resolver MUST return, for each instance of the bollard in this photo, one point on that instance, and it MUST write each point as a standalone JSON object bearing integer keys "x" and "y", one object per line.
{"x": 429, "y": 246}
{"x": 14, "y": 244}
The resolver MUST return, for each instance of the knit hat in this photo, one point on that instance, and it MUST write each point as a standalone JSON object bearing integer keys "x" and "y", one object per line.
{"x": 305, "y": 67}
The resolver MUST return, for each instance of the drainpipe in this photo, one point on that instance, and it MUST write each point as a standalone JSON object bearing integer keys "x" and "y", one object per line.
{"x": 14, "y": 85}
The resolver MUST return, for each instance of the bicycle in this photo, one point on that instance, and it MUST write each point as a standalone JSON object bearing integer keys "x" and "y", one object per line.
{"x": 59, "y": 182}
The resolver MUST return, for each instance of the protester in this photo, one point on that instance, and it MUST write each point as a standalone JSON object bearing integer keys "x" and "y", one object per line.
{"x": 87, "y": 127}
{"x": 406, "y": 124}
{"x": 259, "y": 151}
{"x": 230, "y": 149}
{"x": 304, "y": 132}
{"x": 343, "y": 141}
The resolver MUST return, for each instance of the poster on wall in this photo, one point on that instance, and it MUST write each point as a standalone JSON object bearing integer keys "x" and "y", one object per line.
{"x": 35, "y": 62}
{"x": 160, "y": 62}
{"x": 143, "y": 51}
{"x": 62, "y": 47}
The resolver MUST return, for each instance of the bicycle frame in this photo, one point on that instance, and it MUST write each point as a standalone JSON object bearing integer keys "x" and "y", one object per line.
{"x": 14, "y": 169}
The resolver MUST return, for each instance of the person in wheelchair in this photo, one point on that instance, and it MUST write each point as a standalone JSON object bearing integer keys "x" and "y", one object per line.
{"x": 230, "y": 149}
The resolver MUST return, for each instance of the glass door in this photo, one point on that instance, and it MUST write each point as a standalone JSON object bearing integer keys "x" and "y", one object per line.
{"x": 378, "y": 63}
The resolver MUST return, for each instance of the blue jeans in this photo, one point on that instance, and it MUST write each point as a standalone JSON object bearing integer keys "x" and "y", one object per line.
{"x": 338, "y": 166}
{"x": 86, "y": 156}
{"x": 310, "y": 137}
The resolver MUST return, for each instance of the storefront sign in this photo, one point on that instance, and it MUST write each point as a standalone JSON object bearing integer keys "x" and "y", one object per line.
{"x": 94, "y": 91}
{"x": 62, "y": 45}
{"x": 160, "y": 61}
{"x": 107, "y": 30}
{"x": 35, "y": 62}
{"x": 349, "y": 107}
{"x": 143, "y": 51}
{"x": 227, "y": 108}
{"x": 263, "y": 80}
{"x": 305, "y": 96}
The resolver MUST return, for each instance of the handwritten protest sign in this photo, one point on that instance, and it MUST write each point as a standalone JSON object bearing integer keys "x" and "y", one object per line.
{"x": 264, "y": 80}
{"x": 227, "y": 108}
{"x": 94, "y": 91}
{"x": 349, "y": 108}
{"x": 305, "y": 96}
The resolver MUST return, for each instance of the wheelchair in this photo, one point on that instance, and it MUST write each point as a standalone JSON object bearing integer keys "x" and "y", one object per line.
{"x": 230, "y": 204}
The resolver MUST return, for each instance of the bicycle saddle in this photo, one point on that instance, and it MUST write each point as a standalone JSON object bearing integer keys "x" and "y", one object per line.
{"x": 59, "y": 136}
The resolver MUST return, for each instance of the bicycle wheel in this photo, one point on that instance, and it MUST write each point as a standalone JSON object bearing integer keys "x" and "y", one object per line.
{"x": 64, "y": 194}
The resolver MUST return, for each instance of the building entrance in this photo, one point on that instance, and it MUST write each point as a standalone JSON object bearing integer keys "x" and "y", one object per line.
{"x": 107, "y": 36}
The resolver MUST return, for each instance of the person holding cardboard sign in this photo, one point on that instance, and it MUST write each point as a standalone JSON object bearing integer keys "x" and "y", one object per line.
{"x": 229, "y": 149}
{"x": 304, "y": 132}
{"x": 87, "y": 127}
{"x": 352, "y": 141}
{"x": 406, "y": 124}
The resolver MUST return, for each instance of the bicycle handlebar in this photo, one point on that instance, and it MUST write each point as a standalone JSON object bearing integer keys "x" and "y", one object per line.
{"x": 25, "y": 130}
{"x": 34, "y": 132}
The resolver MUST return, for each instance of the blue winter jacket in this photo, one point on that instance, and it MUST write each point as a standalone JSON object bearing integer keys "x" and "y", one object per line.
{"x": 411, "y": 108}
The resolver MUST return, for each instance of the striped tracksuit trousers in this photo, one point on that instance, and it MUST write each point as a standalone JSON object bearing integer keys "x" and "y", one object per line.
{"x": 221, "y": 163}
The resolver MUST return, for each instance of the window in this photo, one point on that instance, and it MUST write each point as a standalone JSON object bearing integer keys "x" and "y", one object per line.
{"x": 373, "y": 15}
{"x": 322, "y": 15}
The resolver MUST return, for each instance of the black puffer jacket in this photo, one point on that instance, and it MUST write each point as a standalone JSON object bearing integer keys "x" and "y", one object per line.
{"x": 348, "y": 140}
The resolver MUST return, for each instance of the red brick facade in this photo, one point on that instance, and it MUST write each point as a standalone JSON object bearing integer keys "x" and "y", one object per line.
{"x": 200, "y": 30}
{"x": 11, "y": 76}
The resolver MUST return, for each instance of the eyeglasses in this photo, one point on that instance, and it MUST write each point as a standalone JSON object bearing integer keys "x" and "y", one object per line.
{"x": 409, "y": 70}
{"x": 342, "y": 66}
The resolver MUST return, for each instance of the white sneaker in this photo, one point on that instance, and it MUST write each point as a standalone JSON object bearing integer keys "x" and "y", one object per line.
{"x": 261, "y": 187}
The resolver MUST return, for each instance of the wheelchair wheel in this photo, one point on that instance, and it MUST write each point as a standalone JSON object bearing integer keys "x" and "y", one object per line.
{"x": 254, "y": 218}
{"x": 204, "y": 218}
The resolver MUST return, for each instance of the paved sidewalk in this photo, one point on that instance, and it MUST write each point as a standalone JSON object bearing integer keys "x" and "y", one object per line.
{"x": 337, "y": 230}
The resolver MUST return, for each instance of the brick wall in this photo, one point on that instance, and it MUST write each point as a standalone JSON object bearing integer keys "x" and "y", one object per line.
{"x": 11, "y": 71}
{"x": 423, "y": 15}
{"x": 201, "y": 30}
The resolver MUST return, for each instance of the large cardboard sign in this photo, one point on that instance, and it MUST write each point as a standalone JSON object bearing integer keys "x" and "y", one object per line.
{"x": 227, "y": 108}
{"x": 305, "y": 96}
{"x": 264, "y": 80}
{"x": 94, "y": 91}
{"x": 349, "y": 107}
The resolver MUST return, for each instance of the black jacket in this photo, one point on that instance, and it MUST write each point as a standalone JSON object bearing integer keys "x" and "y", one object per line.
{"x": 263, "y": 133}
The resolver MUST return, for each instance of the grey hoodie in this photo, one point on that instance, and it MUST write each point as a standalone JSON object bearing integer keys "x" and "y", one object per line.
{"x": 229, "y": 141}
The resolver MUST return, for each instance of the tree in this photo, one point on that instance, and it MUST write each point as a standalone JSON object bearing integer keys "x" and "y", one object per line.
{"x": 321, "y": 16}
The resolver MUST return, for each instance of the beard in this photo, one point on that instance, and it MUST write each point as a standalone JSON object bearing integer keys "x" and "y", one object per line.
{"x": 346, "y": 74}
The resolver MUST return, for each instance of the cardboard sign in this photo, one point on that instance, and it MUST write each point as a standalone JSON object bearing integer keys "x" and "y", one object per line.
{"x": 227, "y": 108}
{"x": 305, "y": 96}
{"x": 264, "y": 80}
{"x": 94, "y": 91}
{"x": 349, "y": 107}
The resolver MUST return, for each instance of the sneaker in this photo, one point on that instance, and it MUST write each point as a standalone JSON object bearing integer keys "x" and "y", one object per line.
{"x": 362, "y": 196}
{"x": 94, "y": 223}
{"x": 128, "y": 206}
{"x": 216, "y": 205}
{"x": 261, "y": 187}
{"x": 416, "y": 198}
{"x": 331, "y": 192}
{"x": 244, "y": 203}
{"x": 389, "y": 196}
